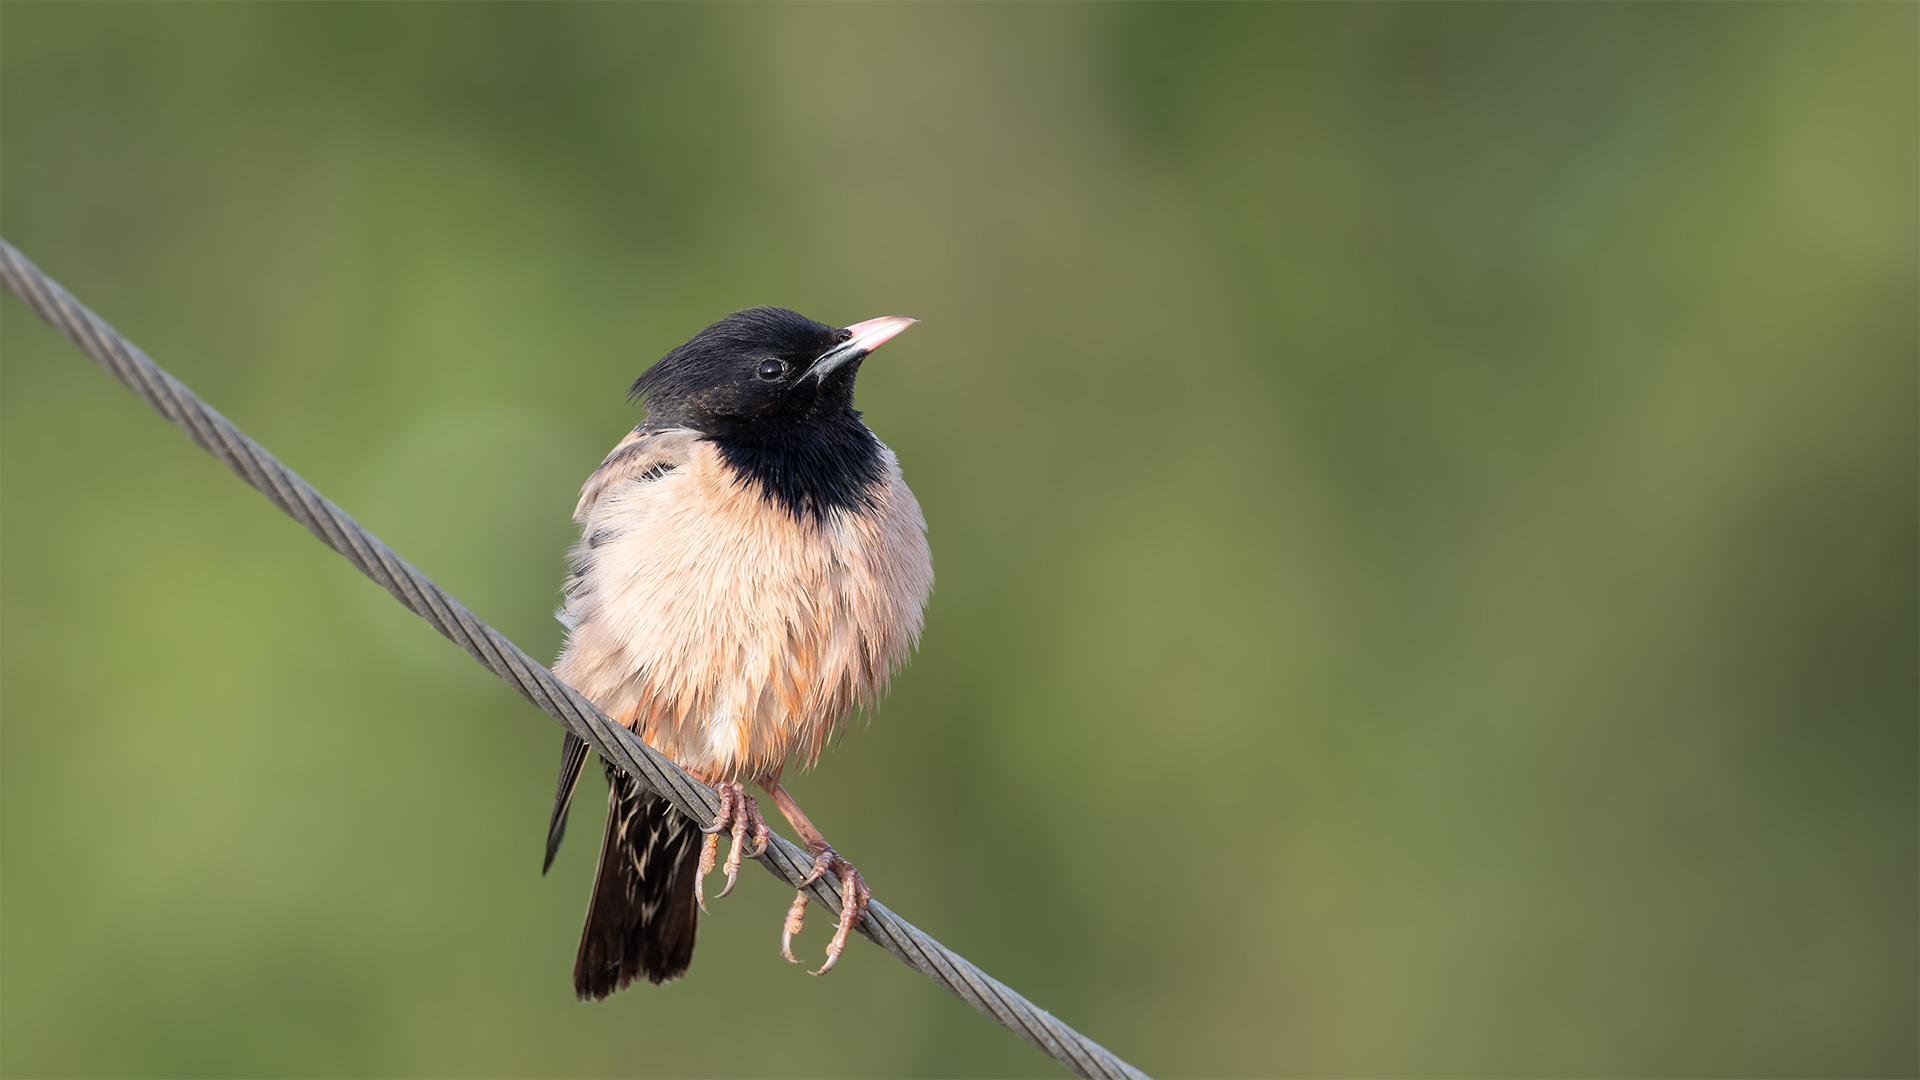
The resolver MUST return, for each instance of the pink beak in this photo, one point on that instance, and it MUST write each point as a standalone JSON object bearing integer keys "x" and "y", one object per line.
{"x": 867, "y": 336}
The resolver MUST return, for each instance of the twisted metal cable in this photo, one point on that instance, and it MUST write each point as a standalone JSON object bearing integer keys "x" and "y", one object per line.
{"x": 784, "y": 859}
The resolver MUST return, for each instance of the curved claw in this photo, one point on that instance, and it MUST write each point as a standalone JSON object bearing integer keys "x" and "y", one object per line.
{"x": 796, "y": 919}
{"x": 854, "y": 896}
{"x": 738, "y": 840}
{"x": 832, "y": 959}
{"x": 723, "y": 816}
{"x": 709, "y": 850}
{"x": 738, "y": 815}
{"x": 821, "y": 864}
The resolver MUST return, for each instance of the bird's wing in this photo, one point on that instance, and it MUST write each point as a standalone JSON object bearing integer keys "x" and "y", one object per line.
{"x": 573, "y": 755}
{"x": 645, "y": 455}
{"x": 644, "y": 451}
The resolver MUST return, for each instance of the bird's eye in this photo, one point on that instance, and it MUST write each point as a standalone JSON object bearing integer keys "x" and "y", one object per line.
{"x": 772, "y": 370}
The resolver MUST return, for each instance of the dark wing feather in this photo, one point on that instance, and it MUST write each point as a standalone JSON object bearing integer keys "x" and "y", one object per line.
{"x": 573, "y": 755}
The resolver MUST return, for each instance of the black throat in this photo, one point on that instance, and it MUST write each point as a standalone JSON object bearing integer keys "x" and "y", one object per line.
{"x": 807, "y": 470}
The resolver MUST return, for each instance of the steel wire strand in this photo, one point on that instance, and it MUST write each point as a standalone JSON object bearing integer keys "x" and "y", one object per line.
{"x": 339, "y": 531}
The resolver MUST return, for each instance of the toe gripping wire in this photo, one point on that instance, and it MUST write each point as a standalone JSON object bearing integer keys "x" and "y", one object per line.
{"x": 300, "y": 501}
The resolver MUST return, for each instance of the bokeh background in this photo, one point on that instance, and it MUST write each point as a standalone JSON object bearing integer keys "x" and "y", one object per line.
{"x": 1424, "y": 501}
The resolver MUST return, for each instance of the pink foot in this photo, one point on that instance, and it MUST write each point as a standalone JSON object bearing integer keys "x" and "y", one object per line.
{"x": 738, "y": 817}
{"x": 854, "y": 895}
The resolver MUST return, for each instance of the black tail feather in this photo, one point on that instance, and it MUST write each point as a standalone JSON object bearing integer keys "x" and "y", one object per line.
{"x": 641, "y": 919}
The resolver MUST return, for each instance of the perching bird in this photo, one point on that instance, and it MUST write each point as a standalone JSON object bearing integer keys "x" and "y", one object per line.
{"x": 751, "y": 567}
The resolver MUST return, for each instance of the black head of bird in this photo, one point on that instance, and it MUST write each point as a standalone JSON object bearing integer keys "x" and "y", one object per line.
{"x": 773, "y": 390}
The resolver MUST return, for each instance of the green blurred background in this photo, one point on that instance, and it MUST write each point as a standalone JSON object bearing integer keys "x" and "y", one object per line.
{"x": 1424, "y": 501}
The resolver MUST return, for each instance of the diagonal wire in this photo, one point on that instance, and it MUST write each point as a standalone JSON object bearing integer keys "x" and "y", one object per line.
{"x": 785, "y": 860}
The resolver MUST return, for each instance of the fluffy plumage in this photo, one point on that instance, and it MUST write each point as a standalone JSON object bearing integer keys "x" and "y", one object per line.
{"x": 728, "y": 632}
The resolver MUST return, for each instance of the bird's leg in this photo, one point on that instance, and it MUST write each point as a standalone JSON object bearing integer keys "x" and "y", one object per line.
{"x": 738, "y": 816}
{"x": 854, "y": 893}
